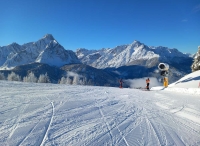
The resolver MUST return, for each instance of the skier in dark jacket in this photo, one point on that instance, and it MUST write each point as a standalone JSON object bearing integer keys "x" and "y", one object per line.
{"x": 120, "y": 83}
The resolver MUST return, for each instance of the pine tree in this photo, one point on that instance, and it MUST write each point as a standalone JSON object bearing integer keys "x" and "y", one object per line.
{"x": 68, "y": 80}
{"x": 2, "y": 77}
{"x": 13, "y": 77}
{"x": 63, "y": 80}
{"x": 75, "y": 80}
{"x": 30, "y": 78}
{"x": 25, "y": 79}
{"x": 196, "y": 64}
{"x": 44, "y": 78}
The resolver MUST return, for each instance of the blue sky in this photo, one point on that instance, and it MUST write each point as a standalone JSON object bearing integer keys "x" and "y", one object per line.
{"x": 96, "y": 24}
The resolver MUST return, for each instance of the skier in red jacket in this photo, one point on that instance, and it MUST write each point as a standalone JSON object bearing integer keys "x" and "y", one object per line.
{"x": 148, "y": 82}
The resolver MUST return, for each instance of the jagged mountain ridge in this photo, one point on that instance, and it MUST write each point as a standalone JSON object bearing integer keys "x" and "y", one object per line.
{"x": 46, "y": 50}
{"x": 135, "y": 53}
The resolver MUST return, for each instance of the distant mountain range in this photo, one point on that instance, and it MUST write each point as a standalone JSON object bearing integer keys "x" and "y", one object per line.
{"x": 133, "y": 54}
{"x": 137, "y": 60}
{"x": 97, "y": 67}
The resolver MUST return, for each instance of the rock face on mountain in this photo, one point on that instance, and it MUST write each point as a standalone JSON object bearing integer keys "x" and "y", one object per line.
{"x": 46, "y": 50}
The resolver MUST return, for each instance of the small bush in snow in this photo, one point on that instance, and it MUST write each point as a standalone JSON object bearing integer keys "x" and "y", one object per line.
{"x": 13, "y": 77}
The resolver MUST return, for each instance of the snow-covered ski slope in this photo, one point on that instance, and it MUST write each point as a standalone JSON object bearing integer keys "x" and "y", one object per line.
{"x": 64, "y": 115}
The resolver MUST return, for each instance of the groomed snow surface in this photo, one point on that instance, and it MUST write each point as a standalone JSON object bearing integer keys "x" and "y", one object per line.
{"x": 51, "y": 114}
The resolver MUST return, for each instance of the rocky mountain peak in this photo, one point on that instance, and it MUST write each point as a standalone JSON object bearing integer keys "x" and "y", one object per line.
{"x": 14, "y": 44}
{"x": 136, "y": 43}
{"x": 49, "y": 37}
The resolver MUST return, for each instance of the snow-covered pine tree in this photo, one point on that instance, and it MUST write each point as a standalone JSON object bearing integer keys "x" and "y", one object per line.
{"x": 63, "y": 80}
{"x": 2, "y": 77}
{"x": 43, "y": 78}
{"x": 30, "y": 78}
{"x": 25, "y": 79}
{"x": 81, "y": 81}
{"x": 13, "y": 77}
{"x": 75, "y": 80}
{"x": 196, "y": 64}
{"x": 69, "y": 80}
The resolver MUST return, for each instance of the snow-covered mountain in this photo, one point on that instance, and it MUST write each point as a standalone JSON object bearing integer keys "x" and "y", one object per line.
{"x": 46, "y": 50}
{"x": 135, "y": 53}
{"x": 135, "y": 60}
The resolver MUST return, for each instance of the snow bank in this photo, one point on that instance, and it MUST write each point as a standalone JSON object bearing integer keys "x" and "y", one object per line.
{"x": 193, "y": 91}
{"x": 189, "y": 84}
{"x": 189, "y": 81}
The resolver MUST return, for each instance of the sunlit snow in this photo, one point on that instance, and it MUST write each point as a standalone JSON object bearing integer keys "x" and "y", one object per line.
{"x": 65, "y": 115}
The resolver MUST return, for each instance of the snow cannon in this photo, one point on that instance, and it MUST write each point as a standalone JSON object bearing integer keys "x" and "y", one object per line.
{"x": 163, "y": 67}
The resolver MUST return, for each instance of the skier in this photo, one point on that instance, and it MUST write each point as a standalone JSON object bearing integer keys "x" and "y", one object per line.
{"x": 120, "y": 83}
{"x": 148, "y": 82}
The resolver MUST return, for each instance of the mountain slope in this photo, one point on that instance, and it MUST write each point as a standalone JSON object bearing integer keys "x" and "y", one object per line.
{"x": 90, "y": 75}
{"x": 81, "y": 73}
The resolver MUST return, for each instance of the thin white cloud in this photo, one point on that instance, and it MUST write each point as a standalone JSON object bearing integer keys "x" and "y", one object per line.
{"x": 184, "y": 20}
{"x": 196, "y": 8}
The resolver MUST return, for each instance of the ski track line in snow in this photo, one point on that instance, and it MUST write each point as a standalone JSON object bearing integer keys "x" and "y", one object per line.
{"x": 187, "y": 113}
{"x": 15, "y": 125}
{"x": 57, "y": 133}
{"x": 20, "y": 143}
{"x": 192, "y": 117}
{"x": 50, "y": 122}
{"x": 173, "y": 134}
{"x": 126, "y": 134}
{"x": 122, "y": 136}
{"x": 104, "y": 118}
{"x": 176, "y": 139}
{"x": 115, "y": 127}
{"x": 109, "y": 129}
{"x": 187, "y": 124}
{"x": 154, "y": 130}
{"x": 150, "y": 119}
{"x": 178, "y": 109}
{"x": 4, "y": 123}
{"x": 135, "y": 116}
{"x": 158, "y": 115}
